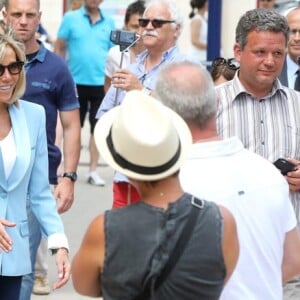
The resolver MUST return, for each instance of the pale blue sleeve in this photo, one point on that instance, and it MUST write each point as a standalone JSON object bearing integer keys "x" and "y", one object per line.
{"x": 112, "y": 98}
{"x": 42, "y": 201}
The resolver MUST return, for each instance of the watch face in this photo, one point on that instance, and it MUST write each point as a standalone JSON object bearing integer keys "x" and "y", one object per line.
{"x": 74, "y": 176}
{"x": 71, "y": 175}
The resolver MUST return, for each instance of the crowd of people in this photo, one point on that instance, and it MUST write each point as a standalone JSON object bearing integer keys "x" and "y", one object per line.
{"x": 193, "y": 153}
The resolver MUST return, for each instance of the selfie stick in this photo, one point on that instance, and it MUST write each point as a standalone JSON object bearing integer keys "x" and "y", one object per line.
{"x": 121, "y": 63}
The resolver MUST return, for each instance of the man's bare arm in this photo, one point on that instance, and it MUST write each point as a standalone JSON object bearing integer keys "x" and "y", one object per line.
{"x": 89, "y": 260}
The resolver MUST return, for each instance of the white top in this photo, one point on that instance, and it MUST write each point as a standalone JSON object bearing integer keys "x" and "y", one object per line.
{"x": 114, "y": 59}
{"x": 8, "y": 149}
{"x": 195, "y": 53}
{"x": 257, "y": 195}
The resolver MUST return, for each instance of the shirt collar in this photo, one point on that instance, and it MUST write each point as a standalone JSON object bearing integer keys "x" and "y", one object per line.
{"x": 41, "y": 53}
{"x": 142, "y": 56}
{"x": 219, "y": 148}
{"x": 239, "y": 89}
{"x": 84, "y": 13}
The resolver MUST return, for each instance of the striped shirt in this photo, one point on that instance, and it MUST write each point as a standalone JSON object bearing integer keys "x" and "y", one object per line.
{"x": 269, "y": 126}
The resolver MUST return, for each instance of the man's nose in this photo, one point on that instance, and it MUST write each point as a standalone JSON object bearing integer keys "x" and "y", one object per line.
{"x": 269, "y": 59}
{"x": 23, "y": 19}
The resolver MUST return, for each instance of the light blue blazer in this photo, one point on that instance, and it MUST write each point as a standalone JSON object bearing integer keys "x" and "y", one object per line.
{"x": 29, "y": 178}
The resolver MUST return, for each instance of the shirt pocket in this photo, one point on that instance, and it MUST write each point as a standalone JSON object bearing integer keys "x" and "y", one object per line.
{"x": 24, "y": 231}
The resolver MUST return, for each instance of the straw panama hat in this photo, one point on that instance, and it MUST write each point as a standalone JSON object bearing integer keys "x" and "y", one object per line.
{"x": 142, "y": 138}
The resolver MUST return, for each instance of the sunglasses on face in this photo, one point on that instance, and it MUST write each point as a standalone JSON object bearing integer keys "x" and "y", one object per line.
{"x": 266, "y": 0}
{"x": 156, "y": 23}
{"x": 231, "y": 62}
{"x": 13, "y": 68}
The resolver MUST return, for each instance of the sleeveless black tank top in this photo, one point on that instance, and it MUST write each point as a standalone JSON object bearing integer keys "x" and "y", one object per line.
{"x": 139, "y": 239}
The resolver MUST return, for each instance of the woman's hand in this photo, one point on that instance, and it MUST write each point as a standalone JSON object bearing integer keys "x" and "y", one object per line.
{"x": 63, "y": 268}
{"x": 5, "y": 240}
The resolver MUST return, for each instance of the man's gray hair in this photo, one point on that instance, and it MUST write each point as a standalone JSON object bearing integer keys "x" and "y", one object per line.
{"x": 260, "y": 20}
{"x": 193, "y": 98}
{"x": 173, "y": 9}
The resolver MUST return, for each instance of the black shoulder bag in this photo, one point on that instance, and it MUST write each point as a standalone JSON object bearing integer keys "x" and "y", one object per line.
{"x": 184, "y": 237}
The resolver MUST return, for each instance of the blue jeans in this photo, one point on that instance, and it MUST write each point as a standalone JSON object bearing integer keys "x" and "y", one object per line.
{"x": 34, "y": 242}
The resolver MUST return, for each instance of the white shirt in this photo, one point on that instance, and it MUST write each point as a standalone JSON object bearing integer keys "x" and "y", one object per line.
{"x": 197, "y": 54}
{"x": 113, "y": 60}
{"x": 8, "y": 149}
{"x": 257, "y": 195}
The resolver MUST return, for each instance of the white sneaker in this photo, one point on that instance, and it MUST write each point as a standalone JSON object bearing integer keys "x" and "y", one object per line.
{"x": 95, "y": 179}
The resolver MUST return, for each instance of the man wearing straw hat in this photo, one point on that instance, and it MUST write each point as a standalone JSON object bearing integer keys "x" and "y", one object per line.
{"x": 148, "y": 142}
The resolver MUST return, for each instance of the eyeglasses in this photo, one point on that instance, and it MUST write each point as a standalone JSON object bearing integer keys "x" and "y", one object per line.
{"x": 13, "y": 68}
{"x": 156, "y": 23}
{"x": 294, "y": 31}
{"x": 266, "y": 0}
{"x": 231, "y": 62}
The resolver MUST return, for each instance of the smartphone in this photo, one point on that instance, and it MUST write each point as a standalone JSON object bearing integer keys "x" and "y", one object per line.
{"x": 284, "y": 166}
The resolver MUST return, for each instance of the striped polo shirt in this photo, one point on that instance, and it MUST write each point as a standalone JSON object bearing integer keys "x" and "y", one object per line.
{"x": 269, "y": 126}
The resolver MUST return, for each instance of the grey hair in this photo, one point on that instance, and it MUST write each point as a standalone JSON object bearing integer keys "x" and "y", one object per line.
{"x": 260, "y": 20}
{"x": 173, "y": 9}
{"x": 193, "y": 98}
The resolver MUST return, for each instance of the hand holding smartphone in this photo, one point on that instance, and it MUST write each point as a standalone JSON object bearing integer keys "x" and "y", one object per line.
{"x": 284, "y": 166}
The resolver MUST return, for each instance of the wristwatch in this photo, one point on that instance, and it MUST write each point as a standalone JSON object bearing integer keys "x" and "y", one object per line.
{"x": 71, "y": 175}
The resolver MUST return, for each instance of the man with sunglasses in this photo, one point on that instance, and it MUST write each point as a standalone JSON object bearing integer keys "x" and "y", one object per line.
{"x": 161, "y": 26}
{"x": 50, "y": 84}
{"x": 255, "y": 106}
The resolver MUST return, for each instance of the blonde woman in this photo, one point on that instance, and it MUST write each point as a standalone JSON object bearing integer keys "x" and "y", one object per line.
{"x": 23, "y": 161}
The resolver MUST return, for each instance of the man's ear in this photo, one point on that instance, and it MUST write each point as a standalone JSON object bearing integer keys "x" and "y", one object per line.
{"x": 237, "y": 51}
{"x": 177, "y": 31}
{"x": 4, "y": 14}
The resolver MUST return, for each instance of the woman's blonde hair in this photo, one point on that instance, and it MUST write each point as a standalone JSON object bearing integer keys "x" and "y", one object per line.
{"x": 7, "y": 40}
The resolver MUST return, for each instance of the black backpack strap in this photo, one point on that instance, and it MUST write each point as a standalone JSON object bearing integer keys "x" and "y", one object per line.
{"x": 184, "y": 237}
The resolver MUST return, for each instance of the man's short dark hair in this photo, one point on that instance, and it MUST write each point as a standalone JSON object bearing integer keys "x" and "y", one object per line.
{"x": 259, "y": 20}
{"x": 137, "y": 7}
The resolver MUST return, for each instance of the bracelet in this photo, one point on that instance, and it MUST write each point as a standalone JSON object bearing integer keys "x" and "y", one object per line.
{"x": 54, "y": 251}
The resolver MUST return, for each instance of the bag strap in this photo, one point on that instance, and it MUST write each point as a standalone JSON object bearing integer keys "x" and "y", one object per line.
{"x": 197, "y": 205}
